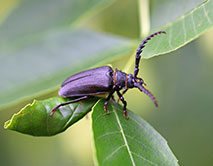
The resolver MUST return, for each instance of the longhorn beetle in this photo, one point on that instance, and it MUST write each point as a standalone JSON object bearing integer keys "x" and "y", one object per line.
{"x": 103, "y": 80}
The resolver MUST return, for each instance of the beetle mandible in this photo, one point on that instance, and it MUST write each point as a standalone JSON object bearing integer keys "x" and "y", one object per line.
{"x": 103, "y": 80}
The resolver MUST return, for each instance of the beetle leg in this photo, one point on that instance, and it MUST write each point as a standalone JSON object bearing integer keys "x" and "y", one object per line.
{"x": 122, "y": 94}
{"x": 107, "y": 100}
{"x": 113, "y": 97}
{"x": 68, "y": 102}
{"x": 124, "y": 102}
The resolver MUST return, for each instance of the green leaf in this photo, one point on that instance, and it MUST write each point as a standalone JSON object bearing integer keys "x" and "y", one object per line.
{"x": 121, "y": 141}
{"x": 38, "y": 48}
{"x": 162, "y": 12}
{"x": 182, "y": 30}
{"x": 43, "y": 64}
{"x": 35, "y": 17}
{"x": 34, "y": 119}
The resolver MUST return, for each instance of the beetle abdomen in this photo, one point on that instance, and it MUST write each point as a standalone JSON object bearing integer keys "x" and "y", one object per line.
{"x": 90, "y": 82}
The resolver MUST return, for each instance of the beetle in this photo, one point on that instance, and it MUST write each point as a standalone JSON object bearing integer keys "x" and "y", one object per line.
{"x": 104, "y": 80}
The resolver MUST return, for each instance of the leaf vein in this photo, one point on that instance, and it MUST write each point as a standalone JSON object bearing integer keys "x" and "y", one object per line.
{"x": 184, "y": 30}
{"x": 113, "y": 152}
{"x": 193, "y": 23}
{"x": 144, "y": 158}
{"x": 109, "y": 133}
{"x": 143, "y": 126}
{"x": 139, "y": 142}
{"x": 98, "y": 117}
{"x": 206, "y": 14}
{"x": 71, "y": 117}
{"x": 124, "y": 138}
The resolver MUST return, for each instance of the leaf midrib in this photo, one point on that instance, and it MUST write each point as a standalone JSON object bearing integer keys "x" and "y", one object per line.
{"x": 124, "y": 138}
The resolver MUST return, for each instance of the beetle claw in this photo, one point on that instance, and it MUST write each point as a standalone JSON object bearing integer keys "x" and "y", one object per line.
{"x": 53, "y": 110}
{"x": 125, "y": 114}
{"x": 52, "y": 113}
{"x": 106, "y": 109}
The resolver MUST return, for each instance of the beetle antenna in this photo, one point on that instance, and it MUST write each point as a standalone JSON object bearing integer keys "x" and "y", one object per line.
{"x": 143, "y": 89}
{"x": 139, "y": 50}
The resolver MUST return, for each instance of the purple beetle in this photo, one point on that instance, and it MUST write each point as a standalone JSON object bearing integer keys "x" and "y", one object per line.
{"x": 104, "y": 80}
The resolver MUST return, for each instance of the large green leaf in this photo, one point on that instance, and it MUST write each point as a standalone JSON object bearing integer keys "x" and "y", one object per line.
{"x": 162, "y": 12}
{"x": 182, "y": 30}
{"x": 38, "y": 49}
{"x": 43, "y": 64}
{"x": 34, "y": 119}
{"x": 121, "y": 141}
{"x": 35, "y": 17}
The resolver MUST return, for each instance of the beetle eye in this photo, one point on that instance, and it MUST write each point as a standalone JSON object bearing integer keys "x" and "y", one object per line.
{"x": 138, "y": 80}
{"x": 141, "y": 81}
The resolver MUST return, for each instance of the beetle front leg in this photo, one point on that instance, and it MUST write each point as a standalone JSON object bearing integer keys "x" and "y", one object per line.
{"x": 124, "y": 102}
{"x": 107, "y": 101}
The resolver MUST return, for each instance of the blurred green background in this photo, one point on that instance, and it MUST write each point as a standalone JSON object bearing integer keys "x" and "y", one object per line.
{"x": 181, "y": 81}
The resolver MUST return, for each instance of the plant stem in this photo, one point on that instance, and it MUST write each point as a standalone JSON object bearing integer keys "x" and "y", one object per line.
{"x": 144, "y": 23}
{"x": 144, "y": 17}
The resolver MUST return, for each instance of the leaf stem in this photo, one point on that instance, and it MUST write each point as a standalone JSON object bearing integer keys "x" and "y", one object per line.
{"x": 144, "y": 23}
{"x": 144, "y": 17}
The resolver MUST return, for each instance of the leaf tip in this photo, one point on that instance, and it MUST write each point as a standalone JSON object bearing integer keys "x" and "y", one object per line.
{"x": 9, "y": 125}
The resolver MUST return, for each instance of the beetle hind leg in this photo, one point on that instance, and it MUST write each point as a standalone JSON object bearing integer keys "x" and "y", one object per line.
{"x": 124, "y": 103}
{"x": 66, "y": 103}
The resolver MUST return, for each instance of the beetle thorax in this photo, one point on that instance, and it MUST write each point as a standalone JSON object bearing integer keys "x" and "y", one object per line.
{"x": 122, "y": 80}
